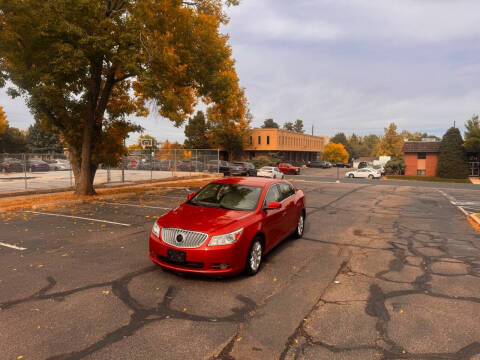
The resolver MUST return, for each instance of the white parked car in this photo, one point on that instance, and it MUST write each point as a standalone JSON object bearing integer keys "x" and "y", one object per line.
{"x": 271, "y": 172}
{"x": 367, "y": 173}
{"x": 60, "y": 164}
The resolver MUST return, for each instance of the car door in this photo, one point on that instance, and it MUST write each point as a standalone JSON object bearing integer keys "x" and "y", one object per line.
{"x": 287, "y": 193}
{"x": 362, "y": 173}
{"x": 272, "y": 218}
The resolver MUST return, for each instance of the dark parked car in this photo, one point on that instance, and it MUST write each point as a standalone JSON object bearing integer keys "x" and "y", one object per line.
{"x": 191, "y": 165}
{"x": 344, "y": 165}
{"x": 37, "y": 165}
{"x": 319, "y": 164}
{"x": 11, "y": 165}
{"x": 243, "y": 169}
{"x": 220, "y": 166}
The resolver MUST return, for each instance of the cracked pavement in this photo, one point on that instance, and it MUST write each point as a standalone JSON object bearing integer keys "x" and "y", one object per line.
{"x": 383, "y": 272}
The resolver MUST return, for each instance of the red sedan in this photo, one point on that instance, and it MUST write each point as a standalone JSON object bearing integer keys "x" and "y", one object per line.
{"x": 228, "y": 226}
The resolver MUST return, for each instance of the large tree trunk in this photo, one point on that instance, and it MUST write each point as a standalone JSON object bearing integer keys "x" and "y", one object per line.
{"x": 84, "y": 184}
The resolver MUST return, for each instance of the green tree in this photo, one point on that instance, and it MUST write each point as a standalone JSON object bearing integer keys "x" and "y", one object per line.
{"x": 229, "y": 135}
{"x": 391, "y": 143}
{"x": 12, "y": 141}
{"x": 472, "y": 135}
{"x": 195, "y": 131}
{"x": 339, "y": 138}
{"x": 270, "y": 124}
{"x": 370, "y": 142}
{"x": 452, "y": 160}
{"x": 288, "y": 126}
{"x": 335, "y": 153}
{"x": 42, "y": 140}
{"x": 298, "y": 126}
{"x": 84, "y": 66}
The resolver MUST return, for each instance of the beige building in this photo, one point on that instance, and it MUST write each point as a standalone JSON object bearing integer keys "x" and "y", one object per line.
{"x": 292, "y": 146}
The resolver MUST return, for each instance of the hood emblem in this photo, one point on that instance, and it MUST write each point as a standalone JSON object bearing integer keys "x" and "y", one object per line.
{"x": 179, "y": 238}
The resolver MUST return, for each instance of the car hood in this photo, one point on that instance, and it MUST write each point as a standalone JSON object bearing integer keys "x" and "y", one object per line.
{"x": 203, "y": 219}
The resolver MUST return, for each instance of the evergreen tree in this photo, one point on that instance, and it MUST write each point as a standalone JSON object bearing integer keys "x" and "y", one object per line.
{"x": 452, "y": 162}
{"x": 40, "y": 140}
{"x": 195, "y": 131}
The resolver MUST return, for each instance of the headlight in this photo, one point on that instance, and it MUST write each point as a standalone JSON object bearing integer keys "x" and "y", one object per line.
{"x": 225, "y": 239}
{"x": 156, "y": 229}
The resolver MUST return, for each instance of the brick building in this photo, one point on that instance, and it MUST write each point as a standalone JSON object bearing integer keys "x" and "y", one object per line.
{"x": 421, "y": 157}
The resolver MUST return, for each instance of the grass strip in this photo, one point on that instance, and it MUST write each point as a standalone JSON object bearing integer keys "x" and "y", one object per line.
{"x": 427, "y": 178}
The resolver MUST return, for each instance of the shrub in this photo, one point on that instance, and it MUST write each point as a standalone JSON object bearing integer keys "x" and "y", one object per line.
{"x": 395, "y": 166}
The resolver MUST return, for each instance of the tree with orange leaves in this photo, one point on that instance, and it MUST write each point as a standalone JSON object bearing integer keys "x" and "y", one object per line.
{"x": 85, "y": 66}
{"x": 3, "y": 121}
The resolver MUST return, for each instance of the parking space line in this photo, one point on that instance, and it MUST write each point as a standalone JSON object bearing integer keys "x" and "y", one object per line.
{"x": 78, "y": 217}
{"x": 133, "y": 205}
{"x": 12, "y": 246}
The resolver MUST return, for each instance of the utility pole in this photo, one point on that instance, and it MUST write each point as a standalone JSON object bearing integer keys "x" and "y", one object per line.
{"x": 312, "y": 129}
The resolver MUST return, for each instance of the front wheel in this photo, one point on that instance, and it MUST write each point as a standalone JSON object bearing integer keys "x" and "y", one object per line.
{"x": 300, "y": 225}
{"x": 370, "y": 177}
{"x": 254, "y": 257}
{"x": 351, "y": 176}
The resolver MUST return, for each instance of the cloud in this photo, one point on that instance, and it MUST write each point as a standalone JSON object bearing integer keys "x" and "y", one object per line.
{"x": 398, "y": 21}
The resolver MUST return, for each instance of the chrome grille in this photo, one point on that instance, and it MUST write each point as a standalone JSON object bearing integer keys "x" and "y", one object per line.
{"x": 189, "y": 239}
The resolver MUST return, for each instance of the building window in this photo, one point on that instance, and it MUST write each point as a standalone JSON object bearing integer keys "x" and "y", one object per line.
{"x": 259, "y": 140}
{"x": 421, "y": 172}
{"x": 422, "y": 155}
{"x": 251, "y": 140}
{"x": 268, "y": 140}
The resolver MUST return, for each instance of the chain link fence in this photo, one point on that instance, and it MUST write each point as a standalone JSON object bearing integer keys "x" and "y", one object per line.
{"x": 23, "y": 172}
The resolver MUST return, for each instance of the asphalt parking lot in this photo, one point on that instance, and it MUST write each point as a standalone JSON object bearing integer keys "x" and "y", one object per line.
{"x": 383, "y": 272}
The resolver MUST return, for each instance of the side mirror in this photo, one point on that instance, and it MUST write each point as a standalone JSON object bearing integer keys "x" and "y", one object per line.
{"x": 190, "y": 196}
{"x": 273, "y": 205}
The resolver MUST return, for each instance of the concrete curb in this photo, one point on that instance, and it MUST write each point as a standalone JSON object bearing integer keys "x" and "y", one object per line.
{"x": 70, "y": 202}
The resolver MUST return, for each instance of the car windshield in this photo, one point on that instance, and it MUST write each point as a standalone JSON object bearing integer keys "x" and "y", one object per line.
{"x": 228, "y": 196}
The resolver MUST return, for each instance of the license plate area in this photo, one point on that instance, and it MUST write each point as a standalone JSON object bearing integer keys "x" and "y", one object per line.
{"x": 176, "y": 256}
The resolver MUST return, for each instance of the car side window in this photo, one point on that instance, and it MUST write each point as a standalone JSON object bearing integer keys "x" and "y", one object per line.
{"x": 273, "y": 194}
{"x": 286, "y": 190}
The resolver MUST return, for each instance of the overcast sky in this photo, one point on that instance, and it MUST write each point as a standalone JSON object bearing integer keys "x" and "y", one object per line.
{"x": 348, "y": 65}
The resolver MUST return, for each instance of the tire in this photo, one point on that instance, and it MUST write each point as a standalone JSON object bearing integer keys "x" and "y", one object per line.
{"x": 254, "y": 257}
{"x": 370, "y": 177}
{"x": 298, "y": 233}
{"x": 351, "y": 176}
{"x": 292, "y": 172}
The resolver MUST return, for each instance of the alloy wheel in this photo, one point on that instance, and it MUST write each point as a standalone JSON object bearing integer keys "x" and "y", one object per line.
{"x": 300, "y": 226}
{"x": 254, "y": 257}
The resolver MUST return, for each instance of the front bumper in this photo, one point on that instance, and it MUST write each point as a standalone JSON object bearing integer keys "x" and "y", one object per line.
{"x": 221, "y": 260}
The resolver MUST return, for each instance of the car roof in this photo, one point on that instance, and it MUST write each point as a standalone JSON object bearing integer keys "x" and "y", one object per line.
{"x": 252, "y": 181}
